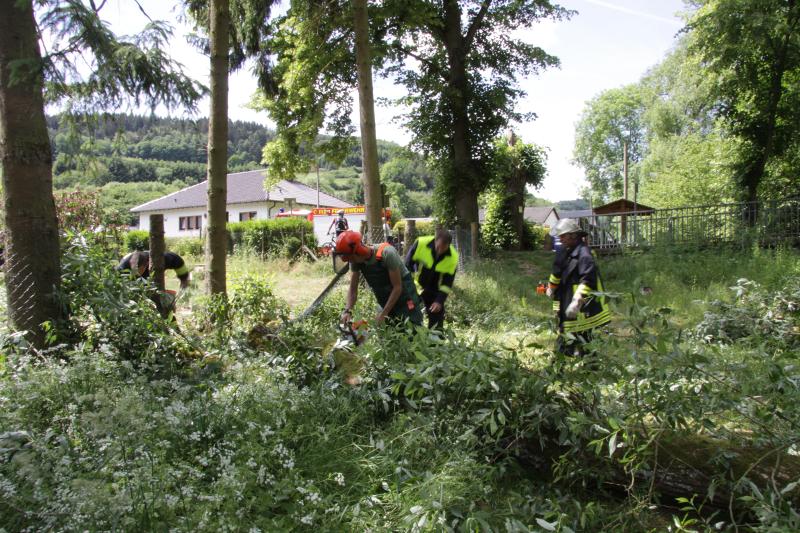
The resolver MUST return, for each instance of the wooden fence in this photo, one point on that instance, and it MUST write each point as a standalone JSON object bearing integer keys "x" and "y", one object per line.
{"x": 738, "y": 223}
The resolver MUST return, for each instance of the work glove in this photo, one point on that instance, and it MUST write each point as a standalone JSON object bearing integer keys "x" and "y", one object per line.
{"x": 573, "y": 308}
{"x": 550, "y": 292}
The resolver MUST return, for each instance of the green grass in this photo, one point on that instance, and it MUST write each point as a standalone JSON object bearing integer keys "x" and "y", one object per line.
{"x": 244, "y": 438}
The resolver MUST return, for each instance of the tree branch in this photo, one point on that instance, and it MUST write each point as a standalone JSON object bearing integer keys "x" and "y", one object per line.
{"x": 476, "y": 24}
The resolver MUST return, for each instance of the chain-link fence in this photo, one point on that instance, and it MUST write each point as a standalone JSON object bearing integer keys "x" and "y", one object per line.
{"x": 20, "y": 294}
{"x": 466, "y": 245}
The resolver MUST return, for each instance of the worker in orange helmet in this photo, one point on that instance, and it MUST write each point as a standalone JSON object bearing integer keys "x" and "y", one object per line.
{"x": 385, "y": 273}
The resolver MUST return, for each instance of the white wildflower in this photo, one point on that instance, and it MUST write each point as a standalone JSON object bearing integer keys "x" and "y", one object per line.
{"x": 339, "y": 478}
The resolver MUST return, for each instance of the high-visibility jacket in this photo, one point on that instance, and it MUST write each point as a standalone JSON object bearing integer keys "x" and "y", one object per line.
{"x": 431, "y": 272}
{"x": 576, "y": 270}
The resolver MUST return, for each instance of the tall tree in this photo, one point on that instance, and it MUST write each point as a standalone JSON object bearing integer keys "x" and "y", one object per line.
{"x": 514, "y": 167}
{"x": 366, "y": 105}
{"x": 609, "y": 124}
{"x": 237, "y": 32}
{"x": 753, "y": 46}
{"x": 110, "y": 70}
{"x": 463, "y": 87}
{"x": 216, "y": 242}
{"x": 459, "y": 60}
{"x": 32, "y": 247}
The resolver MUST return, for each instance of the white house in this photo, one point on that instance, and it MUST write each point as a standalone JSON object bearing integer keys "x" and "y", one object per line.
{"x": 185, "y": 211}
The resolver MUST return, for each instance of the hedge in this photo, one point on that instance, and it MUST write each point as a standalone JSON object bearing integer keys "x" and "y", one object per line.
{"x": 423, "y": 228}
{"x": 137, "y": 240}
{"x": 281, "y": 236}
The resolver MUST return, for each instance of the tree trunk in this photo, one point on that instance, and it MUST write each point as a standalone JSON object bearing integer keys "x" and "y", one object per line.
{"x": 515, "y": 204}
{"x": 32, "y": 252}
{"x": 216, "y": 234}
{"x": 366, "y": 104}
{"x": 466, "y": 197}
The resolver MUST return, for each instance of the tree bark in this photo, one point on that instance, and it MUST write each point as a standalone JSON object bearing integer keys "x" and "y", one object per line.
{"x": 366, "y": 104}
{"x": 216, "y": 234}
{"x": 515, "y": 204}
{"x": 466, "y": 197}
{"x": 32, "y": 250}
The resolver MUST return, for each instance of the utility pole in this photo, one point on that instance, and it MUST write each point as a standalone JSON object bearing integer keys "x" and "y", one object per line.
{"x": 625, "y": 167}
{"x": 317, "y": 182}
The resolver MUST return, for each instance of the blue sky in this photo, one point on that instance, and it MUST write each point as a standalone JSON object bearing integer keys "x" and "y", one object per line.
{"x": 609, "y": 43}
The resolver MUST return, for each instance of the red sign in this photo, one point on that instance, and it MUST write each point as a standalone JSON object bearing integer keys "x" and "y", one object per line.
{"x": 332, "y": 211}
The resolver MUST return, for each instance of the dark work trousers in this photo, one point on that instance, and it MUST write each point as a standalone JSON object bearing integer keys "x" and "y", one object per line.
{"x": 574, "y": 347}
{"x": 435, "y": 320}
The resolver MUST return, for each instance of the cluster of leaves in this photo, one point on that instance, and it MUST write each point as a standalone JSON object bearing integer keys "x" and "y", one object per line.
{"x": 716, "y": 119}
{"x": 282, "y": 236}
{"x": 755, "y": 316}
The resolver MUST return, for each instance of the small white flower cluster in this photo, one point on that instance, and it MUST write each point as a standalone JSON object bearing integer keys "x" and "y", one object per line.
{"x": 284, "y": 455}
{"x": 339, "y": 478}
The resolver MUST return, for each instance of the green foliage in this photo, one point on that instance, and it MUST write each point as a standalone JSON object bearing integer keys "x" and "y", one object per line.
{"x": 129, "y": 69}
{"x": 128, "y": 425}
{"x": 497, "y": 231}
{"x": 423, "y": 227}
{"x": 514, "y": 168}
{"x": 137, "y": 240}
{"x": 117, "y": 199}
{"x": 186, "y": 246}
{"x": 756, "y": 315}
{"x": 608, "y": 123}
{"x": 280, "y": 236}
{"x": 753, "y": 51}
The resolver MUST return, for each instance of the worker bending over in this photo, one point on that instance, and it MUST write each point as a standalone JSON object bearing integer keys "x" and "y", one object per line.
{"x": 139, "y": 264}
{"x": 386, "y": 275}
{"x": 434, "y": 261}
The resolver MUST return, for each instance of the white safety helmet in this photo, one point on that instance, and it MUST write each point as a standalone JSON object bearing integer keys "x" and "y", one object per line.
{"x": 340, "y": 212}
{"x": 564, "y": 226}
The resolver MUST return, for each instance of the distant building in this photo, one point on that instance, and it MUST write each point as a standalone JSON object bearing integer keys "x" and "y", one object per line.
{"x": 185, "y": 211}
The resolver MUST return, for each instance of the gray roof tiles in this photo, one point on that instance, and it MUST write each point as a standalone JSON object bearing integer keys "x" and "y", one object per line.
{"x": 243, "y": 187}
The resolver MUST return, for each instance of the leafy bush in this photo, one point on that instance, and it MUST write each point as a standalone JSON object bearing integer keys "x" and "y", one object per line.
{"x": 268, "y": 237}
{"x": 186, "y": 246}
{"x": 423, "y": 228}
{"x": 497, "y": 233}
{"x": 756, "y": 314}
{"x": 534, "y": 236}
{"x": 137, "y": 240}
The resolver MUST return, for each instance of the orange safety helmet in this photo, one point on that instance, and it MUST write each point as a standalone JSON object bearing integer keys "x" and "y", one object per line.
{"x": 349, "y": 243}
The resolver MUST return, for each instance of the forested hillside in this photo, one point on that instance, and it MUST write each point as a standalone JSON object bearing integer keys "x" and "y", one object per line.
{"x": 133, "y": 159}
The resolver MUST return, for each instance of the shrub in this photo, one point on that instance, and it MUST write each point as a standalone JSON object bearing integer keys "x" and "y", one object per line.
{"x": 186, "y": 246}
{"x": 268, "y": 237}
{"x": 423, "y": 228}
{"x": 137, "y": 240}
{"x": 534, "y": 236}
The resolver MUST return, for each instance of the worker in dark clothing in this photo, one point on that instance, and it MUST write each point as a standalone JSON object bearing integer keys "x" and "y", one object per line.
{"x": 434, "y": 261}
{"x": 139, "y": 263}
{"x": 574, "y": 287}
{"x": 387, "y": 276}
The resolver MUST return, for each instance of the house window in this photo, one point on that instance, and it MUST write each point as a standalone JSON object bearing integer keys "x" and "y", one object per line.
{"x": 248, "y": 215}
{"x": 190, "y": 223}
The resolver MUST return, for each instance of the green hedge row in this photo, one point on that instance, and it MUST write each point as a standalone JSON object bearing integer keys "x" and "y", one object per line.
{"x": 423, "y": 228}
{"x": 281, "y": 236}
